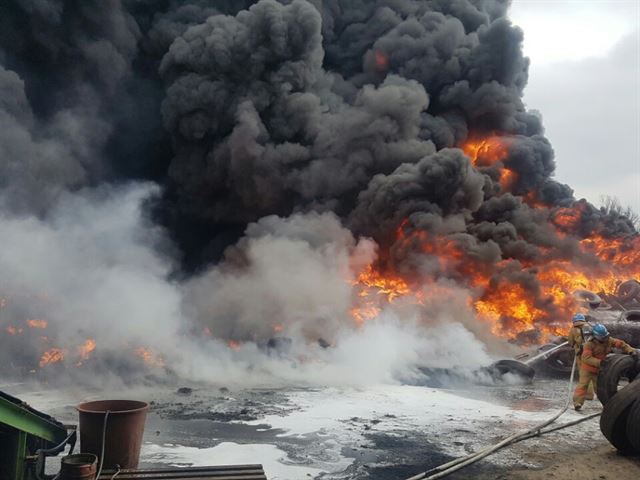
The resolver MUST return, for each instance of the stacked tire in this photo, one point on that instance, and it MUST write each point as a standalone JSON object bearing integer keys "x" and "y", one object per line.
{"x": 620, "y": 419}
{"x": 629, "y": 291}
{"x": 616, "y": 371}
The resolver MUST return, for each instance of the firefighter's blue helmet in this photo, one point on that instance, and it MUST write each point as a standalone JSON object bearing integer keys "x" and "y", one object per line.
{"x": 579, "y": 317}
{"x": 599, "y": 331}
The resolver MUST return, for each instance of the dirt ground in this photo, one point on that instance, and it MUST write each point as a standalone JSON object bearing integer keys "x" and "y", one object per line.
{"x": 601, "y": 463}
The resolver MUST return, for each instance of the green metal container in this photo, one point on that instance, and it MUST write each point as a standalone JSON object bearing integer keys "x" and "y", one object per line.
{"x": 23, "y": 431}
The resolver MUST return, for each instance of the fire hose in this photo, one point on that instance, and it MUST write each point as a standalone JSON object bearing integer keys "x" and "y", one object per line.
{"x": 104, "y": 438}
{"x": 539, "y": 429}
{"x": 545, "y": 353}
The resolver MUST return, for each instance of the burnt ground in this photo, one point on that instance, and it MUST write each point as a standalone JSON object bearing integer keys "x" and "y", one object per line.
{"x": 377, "y": 433}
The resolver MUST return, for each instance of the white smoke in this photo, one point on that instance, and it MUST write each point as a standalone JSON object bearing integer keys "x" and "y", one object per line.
{"x": 290, "y": 274}
{"x": 92, "y": 266}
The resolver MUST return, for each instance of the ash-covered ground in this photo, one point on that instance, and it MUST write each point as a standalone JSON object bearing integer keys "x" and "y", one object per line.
{"x": 378, "y": 432}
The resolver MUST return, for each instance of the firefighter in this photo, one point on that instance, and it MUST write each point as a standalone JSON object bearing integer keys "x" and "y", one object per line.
{"x": 593, "y": 352}
{"x": 576, "y": 339}
{"x": 577, "y": 334}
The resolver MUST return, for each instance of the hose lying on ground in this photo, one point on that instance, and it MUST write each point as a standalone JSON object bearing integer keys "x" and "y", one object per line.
{"x": 560, "y": 427}
{"x": 459, "y": 463}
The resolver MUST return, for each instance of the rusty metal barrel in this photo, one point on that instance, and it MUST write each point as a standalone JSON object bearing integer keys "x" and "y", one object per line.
{"x": 123, "y": 433}
{"x": 81, "y": 466}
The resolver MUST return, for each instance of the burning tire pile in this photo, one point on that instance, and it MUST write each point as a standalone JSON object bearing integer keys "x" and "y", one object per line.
{"x": 625, "y": 296}
{"x": 619, "y": 311}
{"x": 620, "y": 420}
{"x": 629, "y": 292}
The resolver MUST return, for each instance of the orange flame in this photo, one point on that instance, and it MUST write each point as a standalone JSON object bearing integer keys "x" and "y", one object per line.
{"x": 234, "y": 345}
{"x": 86, "y": 348}
{"x": 509, "y": 307}
{"x": 53, "y": 355}
{"x": 149, "y": 357}
{"x": 34, "y": 323}
{"x": 622, "y": 253}
{"x": 485, "y": 152}
{"x": 373, "y": 282}
{"x": 567, "y": 219}
{"x": 488, "y": 152}
{"x": 361, "y": 314}
{"x": 374, "y": 289}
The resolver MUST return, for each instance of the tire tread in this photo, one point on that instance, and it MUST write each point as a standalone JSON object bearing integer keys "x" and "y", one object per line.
{"x": 611, "y": 370}
{"x": 613, "y": 421}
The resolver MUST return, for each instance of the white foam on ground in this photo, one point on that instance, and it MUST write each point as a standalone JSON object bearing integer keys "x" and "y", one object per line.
{"x": 339, "y": 418}
{"x": 274, "y": 460}
{"x": 398, "y": 407}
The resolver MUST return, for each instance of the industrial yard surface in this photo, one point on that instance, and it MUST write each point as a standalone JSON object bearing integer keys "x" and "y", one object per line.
{"x": 382, "y": 432}
{"x": 594, "y": 460}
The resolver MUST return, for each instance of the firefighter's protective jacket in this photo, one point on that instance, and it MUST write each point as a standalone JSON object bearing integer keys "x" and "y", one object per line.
{"x": 594, "y": 352}
{"x": 576, "y": 337}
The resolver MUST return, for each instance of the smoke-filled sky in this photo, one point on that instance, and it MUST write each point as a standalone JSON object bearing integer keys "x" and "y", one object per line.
{"x": 585, "y": 79}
